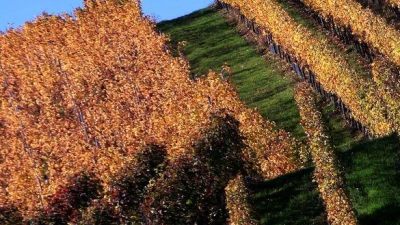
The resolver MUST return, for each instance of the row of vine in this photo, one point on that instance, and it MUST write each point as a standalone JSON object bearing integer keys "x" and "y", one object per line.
{"x": 326, "y": 172}
{"x": 331, "y": 70}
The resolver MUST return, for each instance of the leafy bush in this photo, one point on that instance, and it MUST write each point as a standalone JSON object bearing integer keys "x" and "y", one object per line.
{"x": 186, "y": 193}
{"x": 191, "y": 189}
{"x": 129, "y": 186}
{"x": 220, "y": 147}
{"x": 100, "y": 212}
{"x": 10, "y": 215}
{"x": 121, "y": 204}
{"x": 65, "y": 205}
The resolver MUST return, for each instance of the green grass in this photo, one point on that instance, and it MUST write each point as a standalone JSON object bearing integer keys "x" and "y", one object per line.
{"x": 342, "y": 136}
{"x": 262, "y": 83}
{"x": 291, "y": 199}
{"x": 371, "y": 167}
{"x": 372, "y": 171}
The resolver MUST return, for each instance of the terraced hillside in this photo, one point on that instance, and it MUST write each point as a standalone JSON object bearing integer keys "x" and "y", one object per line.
{"x": 267, "y": 82}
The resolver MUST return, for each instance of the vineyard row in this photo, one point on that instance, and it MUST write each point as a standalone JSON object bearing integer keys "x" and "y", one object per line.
{"x": 393, "y": 3}
{"x": 346, "y": 35}
{"x": 303, "y": 70}
{"x": 388, "y": 7}
{"x": 327, "y": 172}
{"x": 365, "y": 25}
{"x": 385, "y": 74}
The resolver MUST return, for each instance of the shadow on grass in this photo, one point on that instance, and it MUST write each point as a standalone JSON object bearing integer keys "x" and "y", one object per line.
{"x": 289, "y": 199}
{"x": 372, "y": 173}
{"x": 342, "y": 136}
{"x": 389, "y": 214}
{"x": 372, "y": 176}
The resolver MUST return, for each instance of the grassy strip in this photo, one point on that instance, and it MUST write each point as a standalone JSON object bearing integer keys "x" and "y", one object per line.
{"x": 292, "y": 199}
{"x": 372, "y": 170}
{"x": 342, "y": 136}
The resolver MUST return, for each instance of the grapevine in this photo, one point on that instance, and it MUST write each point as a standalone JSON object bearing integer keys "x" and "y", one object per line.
{"x": 327, "y": 174}
{"x": 86, "y": 92}
{"x": 369, "y": 27}
{"x": 332, "y": 71}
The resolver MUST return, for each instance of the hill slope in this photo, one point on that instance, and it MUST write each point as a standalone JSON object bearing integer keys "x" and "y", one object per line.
{"x": 370, "y": 167}
{"x": 211, "y": 41}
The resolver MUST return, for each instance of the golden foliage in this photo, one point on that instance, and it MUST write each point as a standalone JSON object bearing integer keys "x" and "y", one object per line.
{"x": 388, "y": 89}
{"x": 236, "y": 202}
{"x": 326, "y": 172}
{"x": 86, "y": 92}
{"x": 331, "y": 69}
{"x": 393, "y": 3}
{"x": 367, "y": 26}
